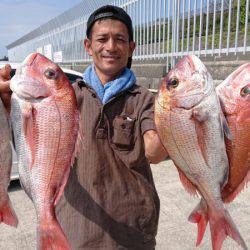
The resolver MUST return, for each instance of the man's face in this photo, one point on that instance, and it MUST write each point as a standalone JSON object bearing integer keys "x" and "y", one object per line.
{"x": 109, "y": 46}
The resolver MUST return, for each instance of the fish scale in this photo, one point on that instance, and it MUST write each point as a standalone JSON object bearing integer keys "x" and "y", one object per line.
{"x": 22, "y": 150}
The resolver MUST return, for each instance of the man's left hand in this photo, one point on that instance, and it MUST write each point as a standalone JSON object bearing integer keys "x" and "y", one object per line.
{"x": 5, "y": 92}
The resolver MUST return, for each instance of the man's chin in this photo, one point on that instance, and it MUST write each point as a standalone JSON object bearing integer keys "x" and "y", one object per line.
{"x": 113, "y": 71}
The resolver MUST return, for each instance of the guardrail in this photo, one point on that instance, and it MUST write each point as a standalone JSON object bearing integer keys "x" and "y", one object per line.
{"x": 170, "y": 29}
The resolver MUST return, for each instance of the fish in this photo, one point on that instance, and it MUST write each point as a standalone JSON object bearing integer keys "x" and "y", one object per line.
{"x": 7, "y": 213}
{"x": 190, "y": 124}
{"x": 234, "y": 96}
{"x": 45, "y": 122}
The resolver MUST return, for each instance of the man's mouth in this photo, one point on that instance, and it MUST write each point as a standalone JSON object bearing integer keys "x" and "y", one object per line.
{"x": 111, "y": 57}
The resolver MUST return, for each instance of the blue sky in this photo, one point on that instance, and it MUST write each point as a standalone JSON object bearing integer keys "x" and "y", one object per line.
{"x": 18, "y": 17}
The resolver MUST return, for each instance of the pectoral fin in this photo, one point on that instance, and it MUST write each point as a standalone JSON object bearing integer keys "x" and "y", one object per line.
{"x": 29, "y": 130}
{"x": 200, "y": 115}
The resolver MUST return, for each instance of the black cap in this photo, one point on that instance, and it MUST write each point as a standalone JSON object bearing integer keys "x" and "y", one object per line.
{"x": 111, "y": 12}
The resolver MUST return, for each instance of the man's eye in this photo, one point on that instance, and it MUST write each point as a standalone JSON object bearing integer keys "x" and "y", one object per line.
{"x": 101, "y": 40}
{"x": 121, "y": 40}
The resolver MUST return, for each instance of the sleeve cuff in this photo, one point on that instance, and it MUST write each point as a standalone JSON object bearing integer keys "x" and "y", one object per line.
{"x": 147, "y": 124}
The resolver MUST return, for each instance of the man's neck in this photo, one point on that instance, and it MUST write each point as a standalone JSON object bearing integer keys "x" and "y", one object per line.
{"x": 107, "y": 78}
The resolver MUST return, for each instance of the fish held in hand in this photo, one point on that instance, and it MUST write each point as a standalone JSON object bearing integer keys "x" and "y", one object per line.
{"x": 7, "y": 214}
{"x": 234, "y": 95}
{"x": 189, "y": 121}
{"x": 45, "y": 123}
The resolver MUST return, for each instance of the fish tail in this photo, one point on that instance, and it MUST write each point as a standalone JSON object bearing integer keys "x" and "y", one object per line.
{"x": 8, "y": 215}
{"x": 52, "y": 237}
{"x": 221, "y": 226}
{"x": 199, "y": 215}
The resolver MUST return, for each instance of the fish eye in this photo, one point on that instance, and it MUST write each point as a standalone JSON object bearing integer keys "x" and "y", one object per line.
{"x": 173, "y": 83}
{"x": 50, "y": 74}
{"x": 245, "y": 91}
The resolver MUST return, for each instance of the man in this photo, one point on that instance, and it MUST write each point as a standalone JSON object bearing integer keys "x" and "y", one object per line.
{"x": 110, "y": 201}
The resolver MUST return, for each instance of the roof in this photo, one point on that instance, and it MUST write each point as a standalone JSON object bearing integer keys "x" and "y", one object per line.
{"x": 83, "y": 9}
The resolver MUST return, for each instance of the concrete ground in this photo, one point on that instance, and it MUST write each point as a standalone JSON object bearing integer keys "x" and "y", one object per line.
{"x": 174, "y": 233}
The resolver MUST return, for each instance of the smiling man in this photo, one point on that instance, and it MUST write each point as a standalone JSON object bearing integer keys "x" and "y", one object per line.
{"x": 110, "y": 201}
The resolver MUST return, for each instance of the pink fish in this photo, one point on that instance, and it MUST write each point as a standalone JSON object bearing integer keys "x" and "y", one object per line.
{"x": 7, "y": 214}
{"x": 190, "y": 123}
{"x": 234, "y": 95}
{"x": 45, "y": 123}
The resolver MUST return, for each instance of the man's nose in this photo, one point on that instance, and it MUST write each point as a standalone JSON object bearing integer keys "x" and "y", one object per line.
{"x": 111, "y": 44}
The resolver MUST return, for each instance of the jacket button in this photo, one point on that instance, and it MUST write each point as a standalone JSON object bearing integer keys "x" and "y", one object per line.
{"x": 94, "y": 95}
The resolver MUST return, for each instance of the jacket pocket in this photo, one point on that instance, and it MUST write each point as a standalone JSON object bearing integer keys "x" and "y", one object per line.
{"x": 123, "y": 132}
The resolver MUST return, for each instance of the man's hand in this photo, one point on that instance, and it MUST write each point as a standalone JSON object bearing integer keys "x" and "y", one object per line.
{"x": 5, "y": 92}
{"x": 154, "y": 150}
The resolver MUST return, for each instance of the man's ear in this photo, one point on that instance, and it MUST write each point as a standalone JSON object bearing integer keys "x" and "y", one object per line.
{"x": 87, "y": 45}
{"x": 131, "y": 48}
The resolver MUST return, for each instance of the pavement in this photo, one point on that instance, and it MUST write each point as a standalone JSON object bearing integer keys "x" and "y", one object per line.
{"x": 174, "y": 231}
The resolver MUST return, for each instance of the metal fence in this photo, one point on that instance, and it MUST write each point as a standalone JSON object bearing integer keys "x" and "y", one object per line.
{"x": 163, "y": 29}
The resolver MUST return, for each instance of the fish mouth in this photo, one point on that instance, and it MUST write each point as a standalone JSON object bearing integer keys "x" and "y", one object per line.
{"x": 199, "y": 68}
{"x": 196, "y": 64}
{"x": 29, "y": 88}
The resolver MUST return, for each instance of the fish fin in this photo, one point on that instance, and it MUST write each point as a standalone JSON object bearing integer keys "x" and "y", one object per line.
{"x": 28, "y": 128}
{"x": 62, "y": 186}
{"x": 51, "y": 236}
{"x": 187, "y": 184}
{"x": 221, "y": 226}
{"x": 199, "y": 114}
{"x": 8, "y": 215}
{"x": 199, "y": 215}
{"x": 225, "y": 127}
{"x": 238, "y": 190}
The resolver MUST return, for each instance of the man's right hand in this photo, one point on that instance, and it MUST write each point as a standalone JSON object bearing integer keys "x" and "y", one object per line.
{"x": 5, "y": 92}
